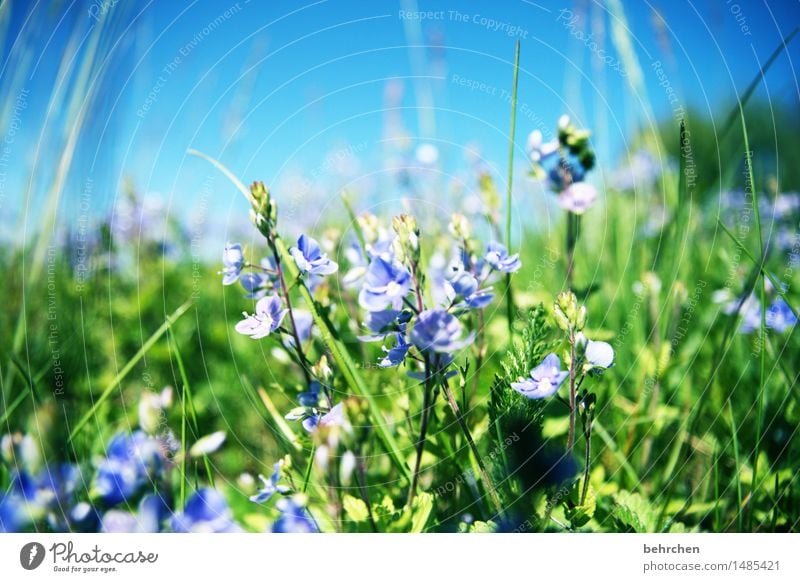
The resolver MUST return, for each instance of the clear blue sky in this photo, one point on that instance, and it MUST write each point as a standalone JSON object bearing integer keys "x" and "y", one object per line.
{"x": 272, "y": 88}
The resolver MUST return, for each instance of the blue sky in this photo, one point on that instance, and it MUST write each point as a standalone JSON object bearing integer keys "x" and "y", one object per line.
{"x": 287, "y": 91}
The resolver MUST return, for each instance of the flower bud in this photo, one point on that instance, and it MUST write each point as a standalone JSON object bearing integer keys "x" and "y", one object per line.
{"x": 460, "y": 227}
{"x": 264, "y": 213}
{"x": 370, "y": 226}
{"x": 347, "y": 465}
{"x": 568, "y": 315}
{"x": 322, "y": 369}
{"x": 406, "y": 245}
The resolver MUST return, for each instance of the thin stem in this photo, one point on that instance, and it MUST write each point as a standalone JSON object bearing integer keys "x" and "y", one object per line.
{"x": 298, "y": 345}
{"x": 509, "y": 183}
{"x": 361, "y": 476}
{"x": 572, "y": 393}
{"x": 479, "y": 358}
{"x": 423, "y": 430}
{"x": 417, "y": 290}
{"x": 259, "y": 268}
{"x": 511, "y": 147}
{"x": 310, "y": 464}
{"x": 587, "y": 434}
{"x": 572, "y": 238}
{"x": 487, "y": 480}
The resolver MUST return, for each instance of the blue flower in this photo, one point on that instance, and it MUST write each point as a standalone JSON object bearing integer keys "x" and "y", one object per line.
{"x": 556, "y": 175}
{"x": 293, "y": 519}
{"x": 466, "y": 285}
{"x": 32, "y": 498}
{"x": 206, "y": 511}
{"x": 397, "y": 353}
{"x": 334, "y": 417}
{"x": 384, "y": 323}
{"x": 310, "y": 398}
{"x": 539, "y": 150}
{"x": 254, "y": 284}
{"x": 385, "y": 285}
{"x": 779, "y": 316}
{"x": 232, "y": 263}
{"x": 131, "y": 462}
{"x": 152, "y": 511}
{"x": 14, "y": 514}
{"x": 498, "y": 258}
{"x": 438, "y": 331}
{"x": 310, "y": 259}
{"x": 544, "y": 381}
{"x": 265, "y": 320}
{"x": 270, "y": 485}
{"x": 83, "y": 518}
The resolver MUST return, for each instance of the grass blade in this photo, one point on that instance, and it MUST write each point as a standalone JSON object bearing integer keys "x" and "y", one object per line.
{"x": 171, "y": 319}
{"x": 778, "y": 288}
{"x": 511, "y": 147}
{"x": 763, "y": 331}
{"x": 735, "y": 439}
{"x": 509, "y": 188}
{"x": 731, "y": 119}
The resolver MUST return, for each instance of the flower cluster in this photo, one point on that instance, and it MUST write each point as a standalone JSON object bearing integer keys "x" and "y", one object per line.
{"x": 564, "y": 162}
{"x": 403, "y": 313}
{"x": 130, "y": 490}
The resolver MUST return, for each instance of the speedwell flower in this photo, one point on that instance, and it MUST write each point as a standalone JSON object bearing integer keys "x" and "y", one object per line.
{"x": 293, "y": 519}
{"x": 779, "y": 316}
{"x": 152, "y": 511}
{"x": 577, "y": 197}
{"x": 232, "y": 263}
{"x": 544, "y": 379}
{"x": 498, "y": 258}
{"x": 397, "y": 353}
{"x": 438, "y": 331}
{"x": 385, "y": 284}
{"x": 265, "y": 320}
{"x": 270, "y": 486}
{"x": 310, "y": 259}
{"x": 206, "y": 511}
{"x": 599, "y": 355}
{"x": 466, "y": 285}
{"x": 132, "y": 461}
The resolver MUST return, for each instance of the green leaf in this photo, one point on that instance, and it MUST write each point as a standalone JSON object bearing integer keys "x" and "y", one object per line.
{"x": 633, "y": 513}
{"x": 422, "y": 508}
{"x": 580, "y": 515}
{"x": 355, "y": 508}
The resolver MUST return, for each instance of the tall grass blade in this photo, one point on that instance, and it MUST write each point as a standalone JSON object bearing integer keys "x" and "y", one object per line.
{"x": 171, "y": 319}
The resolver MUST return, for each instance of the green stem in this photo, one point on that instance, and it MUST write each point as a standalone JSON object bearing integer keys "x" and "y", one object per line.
{"x": 487, "y": 480}
{"x": 511, "y": 147}
{"x": 297, "y": 345}
{"x": 587, "y": 433}
{"x": 572, "y": 394}
{"x": 509, "y": 188}
{"x": 423, "y": 431}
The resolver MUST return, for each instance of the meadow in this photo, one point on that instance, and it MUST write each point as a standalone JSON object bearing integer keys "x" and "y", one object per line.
{"x": 626, "y": 362}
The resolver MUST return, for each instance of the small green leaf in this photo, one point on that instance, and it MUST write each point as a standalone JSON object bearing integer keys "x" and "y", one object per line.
{"x": 421, "y": 512}
{"x": 355, "y": 508}
{"x": 633, "y": 513}
{"x": 580, "y": 515}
